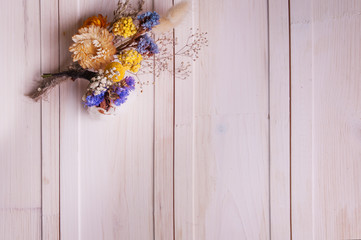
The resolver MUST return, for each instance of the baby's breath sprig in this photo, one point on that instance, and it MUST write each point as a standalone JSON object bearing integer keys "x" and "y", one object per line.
{"x": 162, "y": 61}
{"x": 194, "y": 44}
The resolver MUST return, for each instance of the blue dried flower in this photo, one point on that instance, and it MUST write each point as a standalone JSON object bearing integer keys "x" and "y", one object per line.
{"x": 148, "y": 20}
{"x": 146, "y": 45}
{"x": 94, "y": 100}
{"x": 123, "y": 94}
{"x": 130, "y": 83}
{"x": 119, "y": 91}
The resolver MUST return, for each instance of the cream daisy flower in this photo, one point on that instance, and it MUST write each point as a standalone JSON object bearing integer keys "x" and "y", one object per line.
{"x": 93, "y": 47}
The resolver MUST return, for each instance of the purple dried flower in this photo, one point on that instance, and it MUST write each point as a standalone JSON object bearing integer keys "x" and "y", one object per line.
{"x": 148, "y": 20}
{"x": 130, "y": 83}
{"x": 123, "y": 94}
{"x": 94, "y": 100}
{"x": 146, "y": 45}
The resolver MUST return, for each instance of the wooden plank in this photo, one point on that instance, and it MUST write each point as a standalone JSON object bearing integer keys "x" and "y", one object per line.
{"x": 279, "y": 98}
{"x": 50, "y": 123}
{"x": 231, "y": 185}
{"x": 183, "y": 133}
{"x": 163, "y": 144}
{"x": 20, "y": 129}
{"x": 301, "y": 119}
{"x": 106, "y": 164}
{"x": 325, "y": 80}
{"x": 336, "y": 119}
{"x": 117, "y": 162}
{"x": 69, "y": 128}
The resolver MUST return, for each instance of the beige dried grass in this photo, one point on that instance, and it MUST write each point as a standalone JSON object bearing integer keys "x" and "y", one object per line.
{"x": 173, "y": 18}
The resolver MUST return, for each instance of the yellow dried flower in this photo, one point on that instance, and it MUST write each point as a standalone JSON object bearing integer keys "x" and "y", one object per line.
{"x": 97, "y": 21}
{"x": 131, "y": 59}
{"x": 93, "y": 47}
{"x": 124, "y": 27}
{"x": 115, "y": 71}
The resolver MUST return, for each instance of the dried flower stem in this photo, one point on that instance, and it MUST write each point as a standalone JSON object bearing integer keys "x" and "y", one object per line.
{"x": 51, "y": 80}
{"x": 132, "y": 40}
{"x": 47, "y": 85}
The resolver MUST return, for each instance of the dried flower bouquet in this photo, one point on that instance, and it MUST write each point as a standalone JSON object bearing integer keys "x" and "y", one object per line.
{"x": 111, "y": 56}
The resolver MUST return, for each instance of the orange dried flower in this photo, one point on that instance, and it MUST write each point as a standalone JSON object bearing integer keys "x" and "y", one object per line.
{"x": 93, "y": 47}
{"x": 97, "y": 21}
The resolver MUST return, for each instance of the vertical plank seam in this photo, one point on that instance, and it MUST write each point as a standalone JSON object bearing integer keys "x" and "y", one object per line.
{"x": 79, "y": 166}
{"x": 153, "y": 192}
{"x": 41, "y": 130}
{"x": 79, "y": 153}
{"x": 153, "y": 197}
{"x": 59, "y": 120}
{"x": 269, "y": 122}
{"x": 174, "y": 115}
{"x": 154, "y": 125}
{"x": 153, "y": 177}
{"x": 312, "y": 124}
{"x": 290, "y": 111}
{"x": 78, "y": 176}
{"x": 195, "y": 22}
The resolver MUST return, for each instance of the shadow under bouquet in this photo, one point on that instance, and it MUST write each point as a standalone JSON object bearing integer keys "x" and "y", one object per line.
{"x": 109, "y": 55}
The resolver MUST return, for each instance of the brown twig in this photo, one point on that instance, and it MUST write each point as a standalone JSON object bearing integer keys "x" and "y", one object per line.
{"x": 46, "y": 86}
{"x": 51, "y": 80}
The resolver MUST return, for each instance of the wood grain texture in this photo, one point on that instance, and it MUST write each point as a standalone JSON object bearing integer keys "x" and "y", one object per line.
{"x": 164, "y": 143}
{"x": 20, "y": 127}
{"x": 50, "y": 122}
{"x": 325, "y": 96}
{"x": 279, "y": 108}
{"x": 231, "y": 123}
{"x": 203, "y": 158}
{"x": 301, "y": 119}
{"x": 69, "y": 129}
{"x": 107, "y": 164}
{"x": 336, "y": 72}
{"x": 183, "y": 133}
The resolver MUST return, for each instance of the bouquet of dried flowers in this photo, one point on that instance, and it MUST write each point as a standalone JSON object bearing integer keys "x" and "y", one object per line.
{"x": 112, "y": 55}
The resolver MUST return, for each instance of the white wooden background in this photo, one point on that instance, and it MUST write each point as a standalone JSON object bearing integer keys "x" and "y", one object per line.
{"x": 262, "y": 142}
